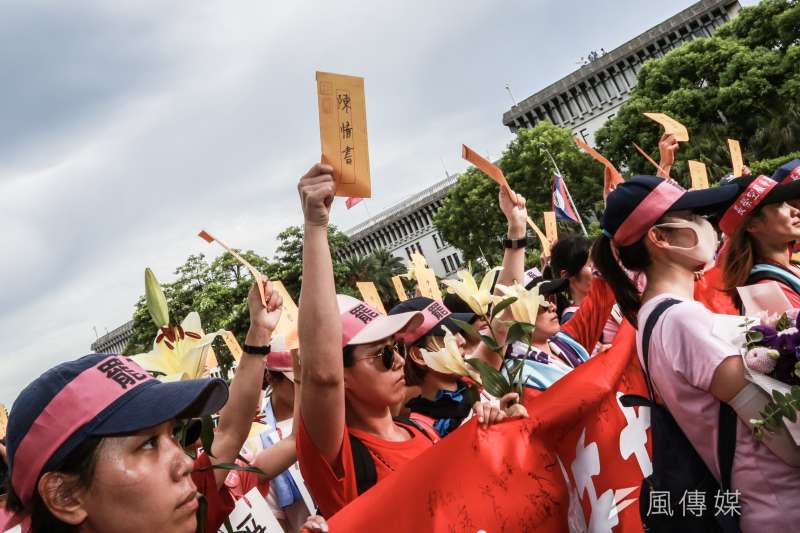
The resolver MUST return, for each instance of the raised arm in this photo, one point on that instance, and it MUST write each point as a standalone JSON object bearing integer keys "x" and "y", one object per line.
{"x": 236, "y": 417}
{"x": 513, "y": 267}
{"x": 319, "y": 327}
{"x": 667, "y": 148}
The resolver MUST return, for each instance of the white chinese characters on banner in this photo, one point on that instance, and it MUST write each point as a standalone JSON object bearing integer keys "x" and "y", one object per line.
{"x": 606, "y": 507}
{"x": 251, "y": 515}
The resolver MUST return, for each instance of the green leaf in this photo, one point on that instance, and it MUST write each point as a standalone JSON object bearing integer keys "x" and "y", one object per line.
{"x": 468, "y": 328}
{"x": 156, "y": 302}
{"x": 500, "y": 307}
{"x": 518, "y": 331}
{"x": 491, "y": 343}
{"x": 207, "y": 434}
{"x": 493, "y": 381}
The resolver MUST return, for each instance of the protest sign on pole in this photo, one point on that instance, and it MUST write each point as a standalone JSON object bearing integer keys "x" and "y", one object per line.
{"x": 671, "y": 126}
{"x": 370, "y": 295}
{"x": 399, "y": 289}
{"x": 699, "y": 175}
{"x": 550, "y": 226}
{"x": 493, "y": 171}
{"x": 737, "y": 162}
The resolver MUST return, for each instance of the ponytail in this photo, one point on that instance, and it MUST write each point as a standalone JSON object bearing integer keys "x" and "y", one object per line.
{"x": 634, "y": 257}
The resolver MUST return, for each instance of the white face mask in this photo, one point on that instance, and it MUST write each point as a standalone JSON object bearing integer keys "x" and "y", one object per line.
{"x": 702, "y": 253}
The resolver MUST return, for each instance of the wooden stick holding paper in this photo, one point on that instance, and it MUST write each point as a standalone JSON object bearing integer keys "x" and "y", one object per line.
{"x": 257, "y": 276}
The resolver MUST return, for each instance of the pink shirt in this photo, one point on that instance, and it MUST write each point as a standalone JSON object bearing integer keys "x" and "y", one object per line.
{"x": 683, "y": 357}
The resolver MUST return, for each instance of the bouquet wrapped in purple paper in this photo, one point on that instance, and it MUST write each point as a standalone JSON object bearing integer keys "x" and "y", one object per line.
{"x": 772, "y": 358}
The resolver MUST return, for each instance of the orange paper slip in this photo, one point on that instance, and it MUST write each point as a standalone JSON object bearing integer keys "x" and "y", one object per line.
{"x": 287, "y": 325}
{"x": 257, "y": 276}
{"x": 736, "y": 157}
{"x": 550, "y": 226}
{"x": 399, "y": 289}
{"x": 699, "y": 174}
{"x": 670, "y": 125}
{"x": 486, "y": 167}
{"x": 370, "y": 294}
{"x": 542, "y": 237}
{"x": 343, "y": 132}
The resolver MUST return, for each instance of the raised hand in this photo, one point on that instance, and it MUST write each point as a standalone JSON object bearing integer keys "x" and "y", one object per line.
{"x": 513, "y": 207}
{"x": 317, "y": 188}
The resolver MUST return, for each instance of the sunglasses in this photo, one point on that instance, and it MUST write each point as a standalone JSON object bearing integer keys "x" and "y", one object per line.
{"x": 387, "y": 354}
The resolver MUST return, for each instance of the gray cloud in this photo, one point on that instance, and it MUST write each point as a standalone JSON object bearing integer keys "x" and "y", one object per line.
{"x": 124, "y": 129}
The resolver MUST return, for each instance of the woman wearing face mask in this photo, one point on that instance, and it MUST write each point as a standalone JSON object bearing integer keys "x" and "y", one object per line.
{"x": 654, "y": 227}
{"x": 762, "y": 225}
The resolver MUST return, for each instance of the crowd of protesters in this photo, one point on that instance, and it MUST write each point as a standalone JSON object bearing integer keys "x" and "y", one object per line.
{"x": 91, "y": 444}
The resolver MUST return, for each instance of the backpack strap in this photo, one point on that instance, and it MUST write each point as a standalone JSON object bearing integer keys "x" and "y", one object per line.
{"x": 364, "y": 464}
{"x": 765, "y": 271}
{"x": 647, "y": 332}
{"x": 726, "y": 437}
{"x": 416, "y": 425}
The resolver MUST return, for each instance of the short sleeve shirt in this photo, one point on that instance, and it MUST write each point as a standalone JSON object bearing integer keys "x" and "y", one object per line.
{"x": 219, "y": 503}
{"x": 684, "y": 354}
{"x": 334, "y": 485}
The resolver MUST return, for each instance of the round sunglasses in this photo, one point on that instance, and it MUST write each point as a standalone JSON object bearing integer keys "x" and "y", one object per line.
{"x": 387, "y": 354}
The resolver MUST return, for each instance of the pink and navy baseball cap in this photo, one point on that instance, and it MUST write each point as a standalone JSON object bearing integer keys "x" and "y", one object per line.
{"x": 755, "y": 191}
{"x": 362, "y": 324}
{"x": 436, "y": 316}
{"x": 636, "y": 205}
{"x": 788, "y": 173}
{"x": 97, "y": 395}
{"x": 279, "y": 359}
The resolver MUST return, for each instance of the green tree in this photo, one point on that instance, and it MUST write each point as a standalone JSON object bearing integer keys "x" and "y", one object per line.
{"x": 287, "y": 265}
{"x": 386, "y": 266}
{"x": 471, "y": 219}
{"x": 742, "y": 83}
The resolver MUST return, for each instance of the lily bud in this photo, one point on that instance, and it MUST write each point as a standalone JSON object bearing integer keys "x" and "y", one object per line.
{"x": 156, "y": 302}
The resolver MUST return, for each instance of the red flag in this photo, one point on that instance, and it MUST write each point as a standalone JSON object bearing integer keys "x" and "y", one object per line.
{"x": 350, "y": 202}
{"x": 580, "y": 459}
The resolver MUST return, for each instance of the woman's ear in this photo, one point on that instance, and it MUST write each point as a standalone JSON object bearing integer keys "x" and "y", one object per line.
{"x": 657, "y": 237}
{"x": 63, "y": 496}
{"x": 416, "y": 356}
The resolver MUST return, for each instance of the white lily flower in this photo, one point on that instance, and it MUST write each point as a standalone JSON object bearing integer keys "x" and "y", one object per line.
{"x": 179, "y": 352}
{"x": 477, "y": 298}
{"x": 448, "y": 359}
{"x": 527, "y": 305}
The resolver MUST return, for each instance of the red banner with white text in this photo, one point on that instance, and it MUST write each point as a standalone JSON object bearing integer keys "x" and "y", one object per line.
{"x": 575, "y": 465}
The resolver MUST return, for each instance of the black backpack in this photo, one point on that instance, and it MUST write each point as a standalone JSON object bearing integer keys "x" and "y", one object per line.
{"x": 364, "y": 464}
{"x": 677, "y": 467}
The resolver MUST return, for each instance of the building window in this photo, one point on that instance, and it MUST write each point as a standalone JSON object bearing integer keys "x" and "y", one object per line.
{"x": 457, "y": 260}
{"x": 585, "y": 134}
{"x": 408, "y": 253}
{"x": 419, "y": 248}
{"x": 450, "y": 262}
{"x": 444, "y": 264}
{"x": 436, "y": 241}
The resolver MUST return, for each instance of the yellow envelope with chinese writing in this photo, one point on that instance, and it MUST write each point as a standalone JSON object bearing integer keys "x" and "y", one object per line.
{"x": 550, "y": 226}
{"x": 343, "y": 132}
{"x": 736, "y": 157}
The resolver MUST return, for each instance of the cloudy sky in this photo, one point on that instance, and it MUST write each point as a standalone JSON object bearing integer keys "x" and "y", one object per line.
{"x": 125, "y": 127}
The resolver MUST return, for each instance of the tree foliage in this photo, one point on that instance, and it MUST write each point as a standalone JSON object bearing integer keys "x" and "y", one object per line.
{"x": 741, "y": 83}
{"x": 471, "y": 219}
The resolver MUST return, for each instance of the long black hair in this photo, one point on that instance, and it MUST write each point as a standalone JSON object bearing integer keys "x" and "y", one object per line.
{"x": 80, "y": 463}
{"x": 570, "y": 253}
{"x": 634, "y": 257}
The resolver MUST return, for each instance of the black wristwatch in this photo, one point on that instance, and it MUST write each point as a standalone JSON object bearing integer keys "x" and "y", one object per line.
{"x": 256, "y": 350}
{"x": 515, "y": 243}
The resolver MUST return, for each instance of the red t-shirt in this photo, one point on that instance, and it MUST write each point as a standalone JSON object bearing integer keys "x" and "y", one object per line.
{"x": 709, "y": 290}
{"x": 219, "y": 503}
{"x": 334, "y": 485}
{"x": 586, "y": 325}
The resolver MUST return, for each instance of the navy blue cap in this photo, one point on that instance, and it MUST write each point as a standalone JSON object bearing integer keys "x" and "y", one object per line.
{"x": 792, "y": 168}
{"x": 624, "y": 200}
{"x": 431, "y": 327}
{"x": 100, "y": 395}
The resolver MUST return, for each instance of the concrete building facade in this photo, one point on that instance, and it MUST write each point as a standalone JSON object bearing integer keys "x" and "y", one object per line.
{"x": 587, "y": 98}
{"x": 407, "y": 228}
{"x": 115, "y": 340}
